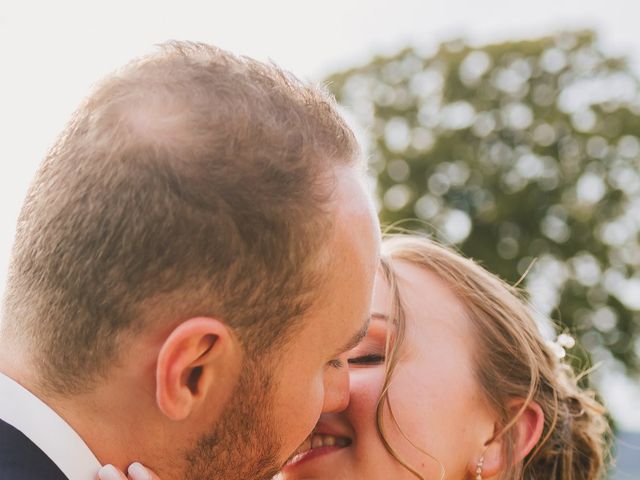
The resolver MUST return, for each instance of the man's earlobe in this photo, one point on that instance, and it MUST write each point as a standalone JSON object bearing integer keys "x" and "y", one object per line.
{"x": 527, "y": 431}
{"x": 198, "y": 358}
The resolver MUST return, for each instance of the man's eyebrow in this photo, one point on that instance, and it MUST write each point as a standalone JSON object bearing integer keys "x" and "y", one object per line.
{"x": 357, "y": 338}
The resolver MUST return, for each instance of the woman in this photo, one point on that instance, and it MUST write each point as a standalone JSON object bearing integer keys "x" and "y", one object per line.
{"x": 454, "y": 381}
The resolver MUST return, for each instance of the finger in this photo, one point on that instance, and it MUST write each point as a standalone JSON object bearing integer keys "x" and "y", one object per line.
{"x": 137, "y": 471}
{"x": 109, "y": 472}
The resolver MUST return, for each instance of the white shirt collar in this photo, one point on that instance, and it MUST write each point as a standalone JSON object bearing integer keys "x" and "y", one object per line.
{"x": 27, "y": 413}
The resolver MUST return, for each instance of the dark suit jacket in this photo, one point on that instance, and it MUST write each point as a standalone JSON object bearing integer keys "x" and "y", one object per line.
{"x": 21, "y": 459}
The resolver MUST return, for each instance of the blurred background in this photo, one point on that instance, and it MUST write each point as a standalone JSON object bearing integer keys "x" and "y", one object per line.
{"x": 509, "y": 129}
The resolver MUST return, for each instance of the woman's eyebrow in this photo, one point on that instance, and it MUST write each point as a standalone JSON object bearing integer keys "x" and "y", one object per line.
{"x": 379, "y": 316}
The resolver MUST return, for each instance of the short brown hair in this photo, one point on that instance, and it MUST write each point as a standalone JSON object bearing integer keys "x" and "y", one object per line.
{"x": 512, "y": 361}
{"x": 190, "y": 182}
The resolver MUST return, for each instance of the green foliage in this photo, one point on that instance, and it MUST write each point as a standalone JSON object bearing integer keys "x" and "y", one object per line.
{"x": 516, "y": 152}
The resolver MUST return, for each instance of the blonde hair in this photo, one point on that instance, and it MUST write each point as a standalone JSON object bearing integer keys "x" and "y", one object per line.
{"x": 513, "y": 361}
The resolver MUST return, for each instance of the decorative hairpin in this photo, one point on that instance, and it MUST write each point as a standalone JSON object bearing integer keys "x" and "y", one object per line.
{"x": 561, "y": 344}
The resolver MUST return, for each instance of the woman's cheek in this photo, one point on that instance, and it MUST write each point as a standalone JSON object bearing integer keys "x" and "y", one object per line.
{"x": 365, "y": 388}
{"x": 372, "y": 460}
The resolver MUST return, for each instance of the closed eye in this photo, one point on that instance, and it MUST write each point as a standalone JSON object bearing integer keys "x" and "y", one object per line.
{"x": 371, "y": 359}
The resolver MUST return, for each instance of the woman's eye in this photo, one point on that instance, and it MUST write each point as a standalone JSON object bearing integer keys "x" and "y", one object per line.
{"x": 371, "y": 359}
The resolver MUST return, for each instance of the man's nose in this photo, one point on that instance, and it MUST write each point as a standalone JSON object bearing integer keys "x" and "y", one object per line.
{"x": 336, "y": 389}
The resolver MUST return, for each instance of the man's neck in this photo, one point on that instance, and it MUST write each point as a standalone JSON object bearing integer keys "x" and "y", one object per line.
{"x": 114, "y": 428}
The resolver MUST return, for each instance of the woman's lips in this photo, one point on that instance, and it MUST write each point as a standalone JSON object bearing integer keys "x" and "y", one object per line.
{"x": 314, "y": 446}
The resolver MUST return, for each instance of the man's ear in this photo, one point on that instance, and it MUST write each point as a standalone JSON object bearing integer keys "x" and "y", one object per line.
{"x": 527, "y": 431}
{"x": 198, "y": 359}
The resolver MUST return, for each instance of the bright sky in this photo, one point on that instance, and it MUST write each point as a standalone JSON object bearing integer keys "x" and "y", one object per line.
{"x": 52, "y": 51}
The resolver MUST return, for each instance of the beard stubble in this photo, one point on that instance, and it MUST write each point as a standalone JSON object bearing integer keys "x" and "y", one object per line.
{"x": 244, "y": 444}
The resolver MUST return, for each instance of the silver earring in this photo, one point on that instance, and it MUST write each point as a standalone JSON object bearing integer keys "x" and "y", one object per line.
{"x": 479, "y": 468}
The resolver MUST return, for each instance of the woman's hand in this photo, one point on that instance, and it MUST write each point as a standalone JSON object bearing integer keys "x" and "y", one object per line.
{"x": 136, "y": 471}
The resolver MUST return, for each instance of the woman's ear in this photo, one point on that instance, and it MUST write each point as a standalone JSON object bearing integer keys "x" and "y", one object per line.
{"x": 527, "y": 430}
{"x": 199, "y": 358}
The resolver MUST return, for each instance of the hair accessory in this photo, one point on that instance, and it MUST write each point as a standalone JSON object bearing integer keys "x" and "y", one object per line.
{"x": 563, "y": 342}
{"x": 479, "y": 468}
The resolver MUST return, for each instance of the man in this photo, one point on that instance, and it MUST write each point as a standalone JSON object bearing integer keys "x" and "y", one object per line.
{"x": 196, "y": 253}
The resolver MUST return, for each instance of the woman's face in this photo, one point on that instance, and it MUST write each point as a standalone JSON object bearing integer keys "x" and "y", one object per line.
{"x": 433, "y": 394}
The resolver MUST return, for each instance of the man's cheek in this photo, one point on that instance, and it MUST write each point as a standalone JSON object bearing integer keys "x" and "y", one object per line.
{"x": 306, "y": 402}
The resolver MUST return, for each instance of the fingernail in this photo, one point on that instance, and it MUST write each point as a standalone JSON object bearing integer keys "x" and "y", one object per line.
{"x": 138, "y": 472}
{"x": 108, "y": 472}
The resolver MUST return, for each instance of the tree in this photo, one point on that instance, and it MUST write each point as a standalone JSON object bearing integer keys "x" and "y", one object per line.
{"x": 514, "y": 152}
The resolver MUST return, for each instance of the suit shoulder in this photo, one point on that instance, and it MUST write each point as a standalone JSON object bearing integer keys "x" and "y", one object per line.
{"x": 21, "y": 459}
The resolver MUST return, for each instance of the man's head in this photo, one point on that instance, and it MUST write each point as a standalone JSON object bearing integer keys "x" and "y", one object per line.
{"x": 308, "y": 375}
{"x": 199, "y": 228}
